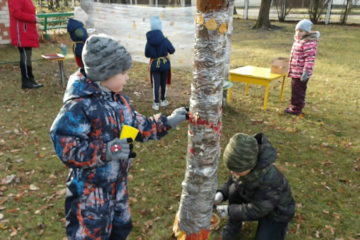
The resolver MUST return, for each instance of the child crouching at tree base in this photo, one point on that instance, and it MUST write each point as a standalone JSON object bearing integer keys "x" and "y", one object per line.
{"x": 86, "y": 139}
{"x": 302, "y": 60}
{"x": 256, "y": 189}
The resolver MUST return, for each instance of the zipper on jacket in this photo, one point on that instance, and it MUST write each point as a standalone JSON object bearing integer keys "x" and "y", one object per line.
{"x": 18, "y": 33}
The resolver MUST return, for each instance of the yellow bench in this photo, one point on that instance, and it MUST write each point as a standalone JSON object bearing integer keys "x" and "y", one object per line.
{"x": 257, "y": 76}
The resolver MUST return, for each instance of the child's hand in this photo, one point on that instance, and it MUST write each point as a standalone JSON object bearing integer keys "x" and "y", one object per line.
{"x": 118, "y": 149}
{"x": 219, "y": 197}
{"x": 223, "y": 211}
{"x": 305, "y": 76}
{"x": 177, "y": 116}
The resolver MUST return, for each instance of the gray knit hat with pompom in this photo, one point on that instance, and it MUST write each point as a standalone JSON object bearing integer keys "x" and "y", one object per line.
{"x": 104, "y": 57}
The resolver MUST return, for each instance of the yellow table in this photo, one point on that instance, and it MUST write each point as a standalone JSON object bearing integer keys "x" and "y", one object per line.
{"x": 257, "y": 76}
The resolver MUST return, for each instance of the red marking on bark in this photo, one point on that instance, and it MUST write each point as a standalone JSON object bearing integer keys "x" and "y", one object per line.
{"x": 198, "y": 121}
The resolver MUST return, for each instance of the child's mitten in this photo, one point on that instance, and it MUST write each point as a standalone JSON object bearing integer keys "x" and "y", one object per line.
{"x": 219, "y": 197}
{"x": 177, "y": 116}
{"x": 223, "y": 211}
{"x": 118, "y": 149}
{"x": 305, "y": 76}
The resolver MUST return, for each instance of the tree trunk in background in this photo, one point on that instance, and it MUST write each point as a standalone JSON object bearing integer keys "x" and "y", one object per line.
{"x": 246, "y": 9}
{"x": 316, "y": 9}
{"x": 349, "y": 4}
{"x": 328, "y": 11}
{"x": 50, "y": 4}
{"x": 200, "y": 183}
{"x": 283, "y": 8}
{"x": 57, "y": 4}
{"x": 263, "y": 20}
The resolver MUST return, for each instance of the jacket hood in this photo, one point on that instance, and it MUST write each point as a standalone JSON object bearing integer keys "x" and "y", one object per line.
{"x": 74, "y": 24}
{"x": 315, "y": 35}
{"x": 80, "y": 87}
{"x": 155, "y": 37}
{"x": 267, "y": 153}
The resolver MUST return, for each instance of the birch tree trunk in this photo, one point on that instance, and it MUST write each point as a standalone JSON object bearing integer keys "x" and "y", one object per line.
{"x": 200, "y": 183}
{"x": 246, "y": 9}
{"x": 328, "y": 11}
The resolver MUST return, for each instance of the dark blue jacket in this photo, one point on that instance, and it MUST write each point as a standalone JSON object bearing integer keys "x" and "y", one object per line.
{"x": 78, "y": 34}
{"x": 158, "y": 46}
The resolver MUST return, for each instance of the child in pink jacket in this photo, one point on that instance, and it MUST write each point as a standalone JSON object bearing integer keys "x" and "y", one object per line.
{"x": 302, "y": 60}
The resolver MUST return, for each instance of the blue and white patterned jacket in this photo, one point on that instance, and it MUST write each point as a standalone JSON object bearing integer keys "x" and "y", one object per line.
{"x": 89, "y": 119}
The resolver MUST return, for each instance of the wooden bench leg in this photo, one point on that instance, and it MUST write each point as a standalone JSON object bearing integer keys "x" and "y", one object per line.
{"x": 62, "y": 73}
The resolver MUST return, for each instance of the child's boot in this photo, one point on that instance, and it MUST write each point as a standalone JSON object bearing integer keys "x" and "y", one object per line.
{"x": 231, "y": 231}
{"x": 292, "y": 110}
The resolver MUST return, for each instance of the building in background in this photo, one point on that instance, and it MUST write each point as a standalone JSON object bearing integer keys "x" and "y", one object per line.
{"x": 4, "y": 23}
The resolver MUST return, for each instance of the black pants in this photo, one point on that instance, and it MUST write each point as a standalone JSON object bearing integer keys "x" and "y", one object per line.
{"x": 267, "y": 229}
{"x": 25, "y": 64}
{"x": 298, "y": 92}
{"x": 159, "y": 82}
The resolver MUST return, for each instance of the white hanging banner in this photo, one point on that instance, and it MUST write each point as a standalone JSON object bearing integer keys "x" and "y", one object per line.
{"x": 130, "y": 23}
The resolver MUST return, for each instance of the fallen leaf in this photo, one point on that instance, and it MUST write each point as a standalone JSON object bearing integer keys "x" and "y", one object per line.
{"x": 326, "y": 211}
{"x": 13, "y": 233}
{"x": 337, "y": 216}
{"x": 33, "y": 187}
{"x": 332, "y": 230}
{"x": 324, "y": 144}
{"x": 8, "y": 179}
{"x": 14, "y": 210}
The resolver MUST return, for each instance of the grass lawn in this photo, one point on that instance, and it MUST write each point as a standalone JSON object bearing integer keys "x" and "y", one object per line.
{"x": 319, "y": 153}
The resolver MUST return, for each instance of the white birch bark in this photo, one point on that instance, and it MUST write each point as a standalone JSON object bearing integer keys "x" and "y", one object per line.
{"x": 200, "y": 183}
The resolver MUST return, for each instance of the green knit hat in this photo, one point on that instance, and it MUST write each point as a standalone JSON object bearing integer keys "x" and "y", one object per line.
{"x": 241, "y": 152}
